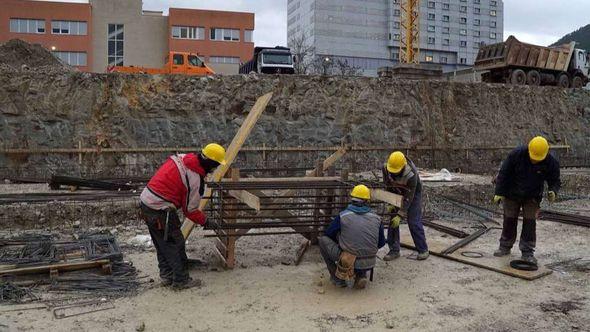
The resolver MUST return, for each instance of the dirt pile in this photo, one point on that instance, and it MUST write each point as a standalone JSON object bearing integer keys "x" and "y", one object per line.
{"x": 20, "y": 55}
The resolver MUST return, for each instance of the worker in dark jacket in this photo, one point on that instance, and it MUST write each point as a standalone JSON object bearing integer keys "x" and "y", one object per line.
{"x": 520, "y": 185}
{"x": 178, "y": 184}
{"x": 353, "y": 238}
{"x": 401, "y": 177}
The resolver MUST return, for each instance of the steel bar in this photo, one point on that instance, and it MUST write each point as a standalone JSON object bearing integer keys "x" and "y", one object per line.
{"x": 462, "y": 243}
{"x": 565, "y": 218}
{"x": 471, "y": 209}
{"x": 265, "y": 233}
{"x": 445, "y": 229}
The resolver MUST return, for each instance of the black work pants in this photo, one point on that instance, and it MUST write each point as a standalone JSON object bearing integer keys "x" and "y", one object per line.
{"x": 170, "y": 245}
{"x": 528, "y": 235}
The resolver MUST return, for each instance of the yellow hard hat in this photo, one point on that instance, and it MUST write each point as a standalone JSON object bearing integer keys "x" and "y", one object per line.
{"x": 538, "y": 148}
{"x": 215, "y": 152}
{"x": 396, "y": 162}
{"x": 361, "y": 191}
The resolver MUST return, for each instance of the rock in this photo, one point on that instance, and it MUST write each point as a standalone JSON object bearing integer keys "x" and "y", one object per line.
{"x": 77, "y": 224}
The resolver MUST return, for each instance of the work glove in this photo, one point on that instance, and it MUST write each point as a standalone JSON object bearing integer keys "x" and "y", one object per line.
{"x": 551, "y": 196}
{"x": 395, "y": 221}
{"x": 498, "y": 199}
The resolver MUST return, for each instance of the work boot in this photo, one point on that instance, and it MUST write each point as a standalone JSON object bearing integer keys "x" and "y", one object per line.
{"x": 391, "y": 255}
{"x": 530, "y": 258}
{"x": 360, "y": 282}
{"x": 166, "y": 282}
{"x": 423, "y": 256}
{"x": 502, "y": 252}
{"x": 189, "y": 283}
{"x": 338, "y": 282}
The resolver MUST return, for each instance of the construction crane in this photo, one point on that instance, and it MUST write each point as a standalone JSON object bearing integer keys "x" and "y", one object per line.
{"x": 410, "y": 32}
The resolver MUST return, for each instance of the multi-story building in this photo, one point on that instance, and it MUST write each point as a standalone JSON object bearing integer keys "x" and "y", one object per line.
{"x": 366, "y": 33}
{"x": 101, "y": 33}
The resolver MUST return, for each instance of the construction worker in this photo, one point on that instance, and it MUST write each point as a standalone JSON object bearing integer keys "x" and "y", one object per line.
{"x": 351, "y": 241}
{"x": 401, "y": 177}
{"x": 520, "y": 185}
{"x": 178, "y": 184}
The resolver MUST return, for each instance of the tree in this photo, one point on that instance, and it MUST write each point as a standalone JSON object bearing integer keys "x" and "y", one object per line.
{"x": 322, "y": 65}
{"x": 346, "y": 69}
{"x": 303, "y": 53}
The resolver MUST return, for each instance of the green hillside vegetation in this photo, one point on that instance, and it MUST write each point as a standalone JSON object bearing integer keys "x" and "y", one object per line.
{"x": 581, "y": 36}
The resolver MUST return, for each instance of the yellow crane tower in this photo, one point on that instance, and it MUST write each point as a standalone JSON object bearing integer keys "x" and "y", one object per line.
{"x": 410, "y": 32}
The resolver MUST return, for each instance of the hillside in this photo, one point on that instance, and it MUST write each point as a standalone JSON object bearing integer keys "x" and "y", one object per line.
{"x": 582, "y": 36}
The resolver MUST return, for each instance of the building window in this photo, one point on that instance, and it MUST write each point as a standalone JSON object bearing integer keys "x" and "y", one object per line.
{"x": 463, "y": 43}
{"x": 196, "y": 33}
{"x": 20, "y": 25}
{"x": 395, "y": 56}
{"x": 493, "y": 13}
{"x": 446, "y": 30}
{"x": 446, "y": 42}
{"x": 396, "y": 36}
{"x": 431, "y": 4}
{"x": 492, "y": 35}
{"x": 431, "y": 40}
{"x": 69, "y": 28}
{"x": 476, "y": 22}
{"x": 446, "y": 6}
{"x": 396, "y": 25}
{"x": 476, "y": 11}
{"x": 396, "y": 12}
{"x": 463, "y": 32}
{"x": 431, "y": 28}
{"x": 463, "y": 20}
{"x": 115, "y": 44}
{"x": 429, "y": 58}
{"x": 476, "y": 33}
{"x": 493, "y": 24}
{"x": 463, "y": 61}
{"x": 431, "y": 16}
{"x": 225, "y": 34}
{"x": 463, "y": 9}
{"x": 249, "y": 36}
{"x": 477, "y": 2}
{"x": 446, "y": 18}
{"x": 444, "y": 59}
{"x": 224, "y": 59}
{"x": 493, "y": 3}
{"x": 72, "y": 58}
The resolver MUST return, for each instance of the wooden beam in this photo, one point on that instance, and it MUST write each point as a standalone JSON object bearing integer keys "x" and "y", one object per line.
{"x": 247, "y": 198}
{"x": 387, "y": 197}
{"x": 232, "y": 152}
{"x": 74, "y": 266}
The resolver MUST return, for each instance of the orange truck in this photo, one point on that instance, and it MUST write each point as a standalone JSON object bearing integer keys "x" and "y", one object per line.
{"x": 176, "y": 63}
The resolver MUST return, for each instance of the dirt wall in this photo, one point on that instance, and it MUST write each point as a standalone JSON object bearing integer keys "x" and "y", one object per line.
{"x": 63, "y": 110}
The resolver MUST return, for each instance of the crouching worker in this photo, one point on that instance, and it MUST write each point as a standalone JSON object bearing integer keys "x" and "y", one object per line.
{"x": 350, "y": 243}
{"x": 178, "y": 184}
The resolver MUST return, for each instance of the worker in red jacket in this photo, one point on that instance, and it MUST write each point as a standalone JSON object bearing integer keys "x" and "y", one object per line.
{"x": 178, "y": 184}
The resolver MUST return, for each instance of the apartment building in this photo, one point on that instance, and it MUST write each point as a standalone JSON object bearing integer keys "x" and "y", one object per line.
{"x": 101, "y": 33}
{"x": 366, "y": 33}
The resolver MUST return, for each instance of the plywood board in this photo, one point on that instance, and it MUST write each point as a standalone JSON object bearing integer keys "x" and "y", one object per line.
{"x": 387, "y": 197}
{"x": 232, "y": 152}
{"x": 488, "y": 262}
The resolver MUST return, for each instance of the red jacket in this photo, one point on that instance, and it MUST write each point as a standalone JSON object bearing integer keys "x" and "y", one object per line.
{"x": 178, "y": 182}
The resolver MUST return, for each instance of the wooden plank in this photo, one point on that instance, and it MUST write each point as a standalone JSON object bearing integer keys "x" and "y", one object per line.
{"x": 247, "y": 198}
{"x": 74, "y": 266}
{"x": 488, "y": 262}
{"x": 291, "y": 179}
{"x": 232, "y": 152}
{"x": 387, "y": 197}
{"x": 301, "y": 251}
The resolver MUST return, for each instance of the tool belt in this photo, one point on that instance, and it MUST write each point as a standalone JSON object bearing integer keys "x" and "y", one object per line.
{"x": 345, "y": 266}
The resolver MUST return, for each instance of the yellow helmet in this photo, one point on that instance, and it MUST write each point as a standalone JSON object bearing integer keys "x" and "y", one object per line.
{"x": 396, "y": 162}
{"x": 538, "y": 148}
{"x": 215, "y": 152}
{"x": 362, "y": 192}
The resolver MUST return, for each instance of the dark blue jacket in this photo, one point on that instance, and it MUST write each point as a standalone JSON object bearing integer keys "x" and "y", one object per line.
{"x": 520, "y": 179}
{"x": 334, "y": 227}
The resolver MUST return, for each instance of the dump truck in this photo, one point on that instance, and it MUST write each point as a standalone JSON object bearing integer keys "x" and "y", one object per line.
{"x": 270, "y": 60}
{"x": 519, "y": 63}
{"x": 176, "y": 63}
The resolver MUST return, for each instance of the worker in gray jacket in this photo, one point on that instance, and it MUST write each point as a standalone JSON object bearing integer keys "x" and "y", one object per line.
{"x": 351, "y": 241}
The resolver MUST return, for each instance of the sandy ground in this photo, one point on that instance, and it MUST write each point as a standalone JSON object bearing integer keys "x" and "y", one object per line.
{"x": 265, "y": 294}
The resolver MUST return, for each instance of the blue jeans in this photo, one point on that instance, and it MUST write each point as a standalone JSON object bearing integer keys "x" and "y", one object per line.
{"x": 415, "y": 225}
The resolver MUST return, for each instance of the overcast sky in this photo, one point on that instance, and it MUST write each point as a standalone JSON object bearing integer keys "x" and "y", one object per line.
{"x": 534, "y": 21}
